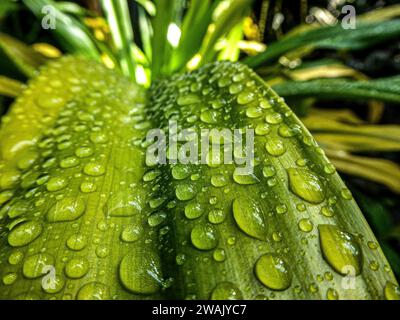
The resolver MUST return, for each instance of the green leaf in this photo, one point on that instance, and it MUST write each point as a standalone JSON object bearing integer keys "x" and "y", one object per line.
{"x": 24, "y": 57}
{"x": 169, "y": 12}
{"x": 73, "y": 36}
{"x": 194, "y": 27}
{"x": 385, "y": 89}
{"x": 232, "y": 12}
{"x": 77, "y": 179}
{"x": 365, "y": 35}
{"x": 118, "y": 18}
{"x": 10, "y": 87}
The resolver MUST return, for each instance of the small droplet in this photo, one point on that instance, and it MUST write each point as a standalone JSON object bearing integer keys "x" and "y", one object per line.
{"x": 24, "y": 233}
{"x": 156, "y": 218}
{"x": 98, "y": 137}
{"x": 69, "y": 162}
{"x": 56, "y": 183}
{"x": 67, "y": 209}
{"x": 219, "y": 255}
{"x": 185, "y": 191}
{"x": 84, "y": 152}
{"x": 204, "y": 237}
{"x": 219, "y": 180}
{"x": 249, "y": 217}
{"x": 216, "y": 216}
{"x": 275, "y": 147}
{"x": 10, "y": 278}
{"x": 125, "y": 204}
{"x": 340, "y": 249}
{"x": 88, "y": 186}
{"x": 140, "y": 271}
{"x": 94, "y": 169}
{"x": 193, "y": 210}
{"x": 132, "y": 233}
{"x": 245, "y": 97}
{"x": 306, "y": 185}
{"x": 392, "y": 291}
{"x": 305, "y": 225}
{"x": 76, "y": 242}
{"x": 226, "y": 291}
{"x": 273, "y": 272}
{"x": 35, "y": 265}
{"x": 93, "y": 291}
{"x": 76, "y": 268}
{"x": 244, "y": 179}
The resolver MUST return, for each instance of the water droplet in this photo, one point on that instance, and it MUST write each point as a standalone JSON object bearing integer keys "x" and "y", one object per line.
{"x": 76, "y": 242}
{"x": 76, "y": 268}
{"x": 209, "y": 116}
{"x": 245, "y": 179}
{"x": 193, "y": 210}
{"x": 67, "y": 209}
{"x": 346, "y": 194}
{"x": 49, "y": 101}
{"x": 392, "y": 291}
{"x": 24, "y": 233}
{"x": 15, "y": 257}
{"x": 219, "y": 180}
{"x": 327, "y": 211}
{"x": 249, "y": 217}
{"x": 54, "y": 285}
{"x": 10, "y": 278}
{"x": 180, "y": 259}
{"x": 184, "y": 100}
{"x": 340, "y": 249}
{"x": 305, "y": 225}
{"x": 204, "y": 237}
{"x": 88, "y": 186}
{"x": 83, "y": 152}
{"x": 102, "y": 251}
{"x": 253, "y": 112}
{"x": 93, "y": 291}
{"x": 262, "y": 129}
{"x": 125, "y": 204}
{"x": 281, "y": 208}
{"x": 140, "y": 271}
{"x": 219, "y": 255}
{"x": 306, "y": 185}
{"x": 94, "y": 169}
{"x": 156, "y": 218}
{"x": 331, "y": 294}
{"x": 216, "y": 216}
{"x": 35, "y": 265}
{"x": 275, "y": 147}
{"x": 273, "y": 118}
{"x": 56, "y": 183}
{"x": 245, "y": 97}
{"x": 180, "y": 172}
{"x": 226, "y": 291}
{"x": 132, "y": 233}
{"x": 269, "y": 171}
{"x": 185, "y": 191}
{"x": 27, "y": 160}
{"x": 273, "y": 272}
{"x": 69, "y": 162}
{"x": 98, "y": 137}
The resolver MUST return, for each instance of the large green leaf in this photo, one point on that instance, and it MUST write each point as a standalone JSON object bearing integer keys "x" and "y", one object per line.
{"x": 81, "y": 198}
{"x": 22, "y": 56}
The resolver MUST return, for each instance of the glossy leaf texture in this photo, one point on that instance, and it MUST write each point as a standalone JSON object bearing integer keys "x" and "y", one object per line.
{"x": 81, "y": 201}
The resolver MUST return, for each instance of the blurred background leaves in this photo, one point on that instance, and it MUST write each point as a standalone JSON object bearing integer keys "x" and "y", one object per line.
{"x": 343, "y": 83}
